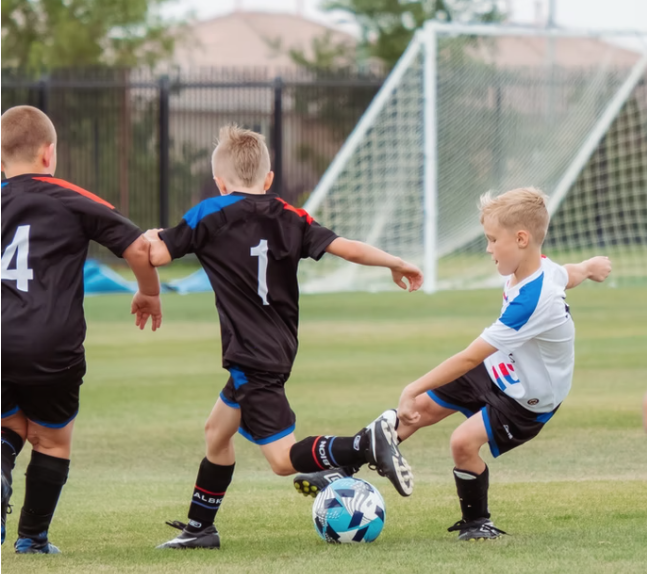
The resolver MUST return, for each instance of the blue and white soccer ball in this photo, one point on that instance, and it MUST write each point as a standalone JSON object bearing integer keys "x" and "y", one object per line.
{"x": 349, "y": 510}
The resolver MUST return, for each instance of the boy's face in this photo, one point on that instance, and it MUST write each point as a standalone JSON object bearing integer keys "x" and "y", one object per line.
{"x": 506, "y": 247}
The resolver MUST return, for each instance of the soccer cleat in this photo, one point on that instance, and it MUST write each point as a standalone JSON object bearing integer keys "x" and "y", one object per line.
{"x": 312, "y": 483}
{"x": 384, "y": 456}
{"x": 207, "y": 538}
{"x": 479, "y": 529}
{"x": 38, "y": 545}
{"x": 6, "y": 496}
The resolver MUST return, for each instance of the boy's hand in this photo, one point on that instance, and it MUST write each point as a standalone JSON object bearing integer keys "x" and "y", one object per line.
{"x": 145, "y": 306}
{"x": 411, "y": 272}
{"x": 599, "y": 268}
{"x": 153, "y": 234}
{"x": 407, "y": 407}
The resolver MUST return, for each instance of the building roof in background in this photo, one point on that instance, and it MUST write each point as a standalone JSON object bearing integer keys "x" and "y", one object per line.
{"x": 243, "y": 39}
{"x": 513, "y": 51}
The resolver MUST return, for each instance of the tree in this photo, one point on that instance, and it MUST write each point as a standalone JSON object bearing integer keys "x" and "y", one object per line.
{"x": 387, "y": 26}
{"x": 46, "y": 34}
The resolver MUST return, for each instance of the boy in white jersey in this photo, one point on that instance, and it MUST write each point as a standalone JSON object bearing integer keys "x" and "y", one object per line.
{"x": 512, "y": 378}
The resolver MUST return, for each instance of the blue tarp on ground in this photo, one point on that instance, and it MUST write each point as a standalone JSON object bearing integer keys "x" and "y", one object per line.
{"x": 100, "y": 279}
{"x": 197, "y": 282}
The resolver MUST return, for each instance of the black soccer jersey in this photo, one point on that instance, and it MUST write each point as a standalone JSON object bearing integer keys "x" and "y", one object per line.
{"x": 47, "y": 224}
{"x": 250, "y": 247}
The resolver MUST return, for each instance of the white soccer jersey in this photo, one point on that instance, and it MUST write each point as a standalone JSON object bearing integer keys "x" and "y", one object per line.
{"x": 535, "y": 339}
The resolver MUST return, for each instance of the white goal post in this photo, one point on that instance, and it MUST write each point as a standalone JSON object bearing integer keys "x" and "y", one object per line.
{"x": 472, "y": 108}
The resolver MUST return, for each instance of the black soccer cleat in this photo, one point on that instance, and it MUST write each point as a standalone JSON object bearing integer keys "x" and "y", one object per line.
{"x": 479, "y": 529}
{"x": 207, "y": 538}
{"x": 384, "y": 456}
{"x": 312, "y": 483}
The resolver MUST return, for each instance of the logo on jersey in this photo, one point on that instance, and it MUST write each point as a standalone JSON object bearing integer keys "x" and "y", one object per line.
{"x": 507, "y": 430}
{"x": 504, "y": 375}
{"x": 533, "y": 402}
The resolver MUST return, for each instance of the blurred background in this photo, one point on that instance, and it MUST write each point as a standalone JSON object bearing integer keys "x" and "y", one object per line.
{"x": 138, "y": 90}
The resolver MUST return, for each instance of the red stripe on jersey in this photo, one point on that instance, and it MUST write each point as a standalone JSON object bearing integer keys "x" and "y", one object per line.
{"x": 68, "y": 185}
{"x": 543, "y": 257}
{"x": 299, "y": 212}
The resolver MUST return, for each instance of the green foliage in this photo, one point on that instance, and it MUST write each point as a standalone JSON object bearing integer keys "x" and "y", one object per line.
{"x": 45, "y": 34}
{"x": 388, "y": 25}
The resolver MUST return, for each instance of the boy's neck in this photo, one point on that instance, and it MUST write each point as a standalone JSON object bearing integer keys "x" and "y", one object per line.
{"x": 529, "y": 265}
{"x": 16, "y": 170}
{"x": 250, "y": 190}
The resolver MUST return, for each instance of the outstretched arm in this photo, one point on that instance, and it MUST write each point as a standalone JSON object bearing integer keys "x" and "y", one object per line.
{"x": 446, "y": 372}
{"x": 595, "y": 269}
{"x": 146, "y": 302}
{"x": 364, "y": 254}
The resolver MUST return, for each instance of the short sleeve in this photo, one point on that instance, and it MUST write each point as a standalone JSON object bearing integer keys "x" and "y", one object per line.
{"x": 316, "y": 239}
{"x": 104, "y": 224}
{"x": 180, "y": 240}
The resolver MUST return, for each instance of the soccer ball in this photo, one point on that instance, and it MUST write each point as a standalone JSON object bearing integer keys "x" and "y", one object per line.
{"x": 349, "y": 510}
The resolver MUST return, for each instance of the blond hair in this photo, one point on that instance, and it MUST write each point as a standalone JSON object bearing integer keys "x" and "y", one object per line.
{"x": 25, "y": 130}
{"x": 241, "y": 157}
{"x": 521, "y": 208}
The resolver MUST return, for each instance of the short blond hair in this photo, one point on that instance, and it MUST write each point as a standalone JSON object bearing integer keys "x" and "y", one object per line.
{"x": 25, "y": 130}
{"x": 521, "y": 208}
{"x": 241, "y": 157}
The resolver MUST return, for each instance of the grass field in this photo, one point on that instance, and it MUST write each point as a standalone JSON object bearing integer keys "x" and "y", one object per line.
{"x": 574, "y": 499}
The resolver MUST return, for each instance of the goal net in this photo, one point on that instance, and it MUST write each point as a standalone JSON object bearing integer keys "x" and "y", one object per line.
{"x": 469, "y": 109}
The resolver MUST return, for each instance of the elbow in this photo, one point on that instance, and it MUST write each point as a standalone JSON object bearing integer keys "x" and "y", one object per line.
{"x": 138, "y": 251}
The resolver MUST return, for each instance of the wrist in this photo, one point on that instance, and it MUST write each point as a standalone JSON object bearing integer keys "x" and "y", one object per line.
{"x": 398, "y": 264}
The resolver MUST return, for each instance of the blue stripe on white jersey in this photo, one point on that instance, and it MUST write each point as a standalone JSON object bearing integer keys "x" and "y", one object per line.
{"x": 523, "y": 305}
{"x": 209, "y": 206}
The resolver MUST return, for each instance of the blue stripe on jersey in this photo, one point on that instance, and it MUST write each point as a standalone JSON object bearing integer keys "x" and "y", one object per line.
{"x": 520, "y": 310}
{"x": 229, "y": 403}
{"x": 207, "y": 207}
{"x": 4, "y": 183}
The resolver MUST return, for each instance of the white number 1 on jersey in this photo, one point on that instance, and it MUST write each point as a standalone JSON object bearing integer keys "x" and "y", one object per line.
{"x": 22, "y": 274}
{"x": 259, "y": 251}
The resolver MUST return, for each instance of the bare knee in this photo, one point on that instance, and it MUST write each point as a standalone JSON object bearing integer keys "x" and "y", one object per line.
{"x": 282, "y": 467}
{"x": 463, "y": 447}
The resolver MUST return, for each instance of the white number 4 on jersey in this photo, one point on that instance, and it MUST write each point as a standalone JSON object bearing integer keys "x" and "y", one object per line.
{"x": 22, "y": 274}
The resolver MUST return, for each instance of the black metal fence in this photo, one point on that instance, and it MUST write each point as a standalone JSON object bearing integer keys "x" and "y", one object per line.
{"x": 144, "y": 142}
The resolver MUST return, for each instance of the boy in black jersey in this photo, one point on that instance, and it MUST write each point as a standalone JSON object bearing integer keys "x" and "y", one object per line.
{"x": 250, "y": 243}
{"x": 47, "y": 224}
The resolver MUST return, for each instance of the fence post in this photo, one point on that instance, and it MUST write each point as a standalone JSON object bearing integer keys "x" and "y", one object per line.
{"x": 43, "y": 94}
{"x": 164, "y": 163}
{"x": 277, "y": 136}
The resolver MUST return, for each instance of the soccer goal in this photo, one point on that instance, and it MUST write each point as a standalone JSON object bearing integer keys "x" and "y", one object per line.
{"x": 472, "y": 108}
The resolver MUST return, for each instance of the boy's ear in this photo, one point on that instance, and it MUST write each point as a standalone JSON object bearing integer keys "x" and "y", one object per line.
{"x": 269, "y": 179}
{"x": 523, "y": 239}
{"x": 48, "y": 155}
{"x": 222, "y": 186}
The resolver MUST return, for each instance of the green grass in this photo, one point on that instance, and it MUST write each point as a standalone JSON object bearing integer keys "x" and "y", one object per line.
{"x": 574, "y": 499}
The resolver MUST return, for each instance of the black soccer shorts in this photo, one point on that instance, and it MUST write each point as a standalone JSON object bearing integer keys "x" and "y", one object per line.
{"x": 266, "y": 415}
{"x": 52, "y": 406}
{"x": 507, "y": 423}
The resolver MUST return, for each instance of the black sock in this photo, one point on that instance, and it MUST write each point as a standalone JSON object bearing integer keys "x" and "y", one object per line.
{"x": 323, "y": 452}
{"x": 210, "y": 487}
{"x": 12, "y": 444}
{"x": 472, "y": 493}
{"x": 46, "y": 476}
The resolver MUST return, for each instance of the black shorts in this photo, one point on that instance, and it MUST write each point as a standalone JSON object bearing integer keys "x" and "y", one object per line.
{"x": 266, "y": 415}
{"x": 52, "y": 406}
{"x": 507, "y": 423}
